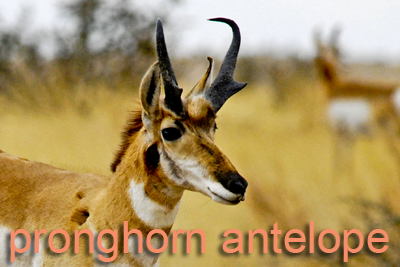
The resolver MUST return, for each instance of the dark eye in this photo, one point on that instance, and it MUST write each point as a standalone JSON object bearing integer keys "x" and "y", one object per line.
{"x": 171, "y": 134}
{"x": 215, "y": 126}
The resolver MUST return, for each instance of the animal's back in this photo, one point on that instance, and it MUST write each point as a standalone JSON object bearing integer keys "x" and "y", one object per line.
{"x": 36, "y": 196}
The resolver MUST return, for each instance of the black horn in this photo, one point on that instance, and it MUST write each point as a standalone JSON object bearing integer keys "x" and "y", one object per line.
{"x": 224, "y": 86}
{"x": 172, "y": 92}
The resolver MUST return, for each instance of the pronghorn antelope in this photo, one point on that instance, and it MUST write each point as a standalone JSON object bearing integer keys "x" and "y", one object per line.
{"x": 167, "y": 147}
{"x": 337, "y": 86}
{"x": 380, "y": 95}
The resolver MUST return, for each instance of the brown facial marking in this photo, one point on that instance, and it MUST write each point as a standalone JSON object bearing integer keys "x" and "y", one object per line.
{"x": 207, "y": 148}
{"x": 176, "y": 171}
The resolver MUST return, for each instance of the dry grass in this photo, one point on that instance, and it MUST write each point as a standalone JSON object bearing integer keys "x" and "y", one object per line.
{"x": 285, "y": 154}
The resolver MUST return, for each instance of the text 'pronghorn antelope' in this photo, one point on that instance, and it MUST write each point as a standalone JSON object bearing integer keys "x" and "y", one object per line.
{"x": 167, "y": 147}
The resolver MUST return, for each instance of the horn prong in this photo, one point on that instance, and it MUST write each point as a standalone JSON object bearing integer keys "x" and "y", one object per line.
{"x": 205, "y": 81}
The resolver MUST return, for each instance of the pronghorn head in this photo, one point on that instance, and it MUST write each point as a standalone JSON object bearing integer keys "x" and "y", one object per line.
{"x": 179, "y": 131}
{"x": 328, "y": 54}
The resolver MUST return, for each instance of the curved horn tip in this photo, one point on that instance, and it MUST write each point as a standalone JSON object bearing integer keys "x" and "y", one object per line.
{"x": 224, "y": 20}
{"x": 221, "y": 19}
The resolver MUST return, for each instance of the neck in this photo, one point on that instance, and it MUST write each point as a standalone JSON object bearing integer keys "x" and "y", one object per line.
{"x": 138, "y": 195}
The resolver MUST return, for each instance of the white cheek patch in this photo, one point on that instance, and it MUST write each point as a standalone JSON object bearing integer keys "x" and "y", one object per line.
{"x": 200, "y": 179}
{"x": 187, "y": 169}
{"x": 150, "y": 212}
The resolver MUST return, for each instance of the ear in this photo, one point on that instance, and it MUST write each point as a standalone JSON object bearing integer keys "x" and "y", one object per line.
{"x": 205, "y": 81}
{"x": 150, "y": 91}
{"x": 317, "y": 35}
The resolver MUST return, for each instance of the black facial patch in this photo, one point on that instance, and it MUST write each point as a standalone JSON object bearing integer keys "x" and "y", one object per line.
{"x": 151, "y": 158}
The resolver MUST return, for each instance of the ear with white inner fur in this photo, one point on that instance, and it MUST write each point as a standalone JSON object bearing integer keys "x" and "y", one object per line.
{"x": 150, "y": 94}
{"x": 205, "y": 81}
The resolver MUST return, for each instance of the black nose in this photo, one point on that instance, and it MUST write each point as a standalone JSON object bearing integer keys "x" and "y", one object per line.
{"x": 235, "y": 183}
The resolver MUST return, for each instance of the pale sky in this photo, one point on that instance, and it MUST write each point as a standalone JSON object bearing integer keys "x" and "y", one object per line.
{"x": 370, "y": 28}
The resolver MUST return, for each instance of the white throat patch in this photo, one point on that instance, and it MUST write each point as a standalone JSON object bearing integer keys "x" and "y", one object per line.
{"x": 150, "y": 212}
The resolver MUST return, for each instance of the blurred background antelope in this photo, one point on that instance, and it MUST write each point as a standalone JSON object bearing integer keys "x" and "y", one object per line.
{"x": 65, "y": 83}
{"x": 339, "y": 85}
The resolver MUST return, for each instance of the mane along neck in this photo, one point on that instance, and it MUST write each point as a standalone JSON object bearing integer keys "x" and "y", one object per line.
{"x": 132, "y": 127}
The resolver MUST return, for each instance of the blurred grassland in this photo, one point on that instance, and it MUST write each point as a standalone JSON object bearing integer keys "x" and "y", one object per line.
{"x": 276, "y": 134}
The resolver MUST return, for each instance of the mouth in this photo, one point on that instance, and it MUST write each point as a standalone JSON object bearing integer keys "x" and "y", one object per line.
{"x": 218, "y": 198}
